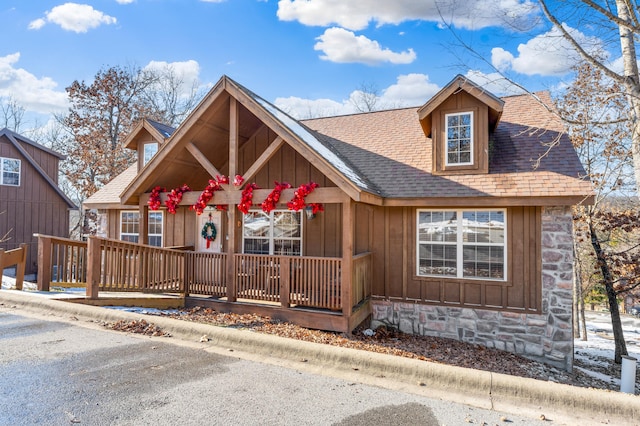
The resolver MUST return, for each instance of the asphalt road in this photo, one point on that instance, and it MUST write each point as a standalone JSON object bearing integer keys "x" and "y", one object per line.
{"x": 55, "y": 372}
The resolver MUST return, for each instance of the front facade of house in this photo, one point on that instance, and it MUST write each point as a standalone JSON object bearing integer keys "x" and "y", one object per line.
{"x": 463, "y": 213}
{"x": 30, "y": 200}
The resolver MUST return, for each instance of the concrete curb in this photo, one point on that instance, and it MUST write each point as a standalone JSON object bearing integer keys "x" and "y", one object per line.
{"x": 479, "y": 388}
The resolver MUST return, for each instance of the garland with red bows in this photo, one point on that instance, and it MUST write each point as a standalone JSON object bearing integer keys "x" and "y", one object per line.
{"x": 298, "y": 200}
{"x": 274, "y": 196}
{"x": 247, "y": 198}
{"x": 174, "y": 198}
{"x": 154, "y": 199}
{"x": 207, "y": 194}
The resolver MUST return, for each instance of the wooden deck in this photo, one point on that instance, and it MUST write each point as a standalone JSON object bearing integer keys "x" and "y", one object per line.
{"x": 308, "y": 291}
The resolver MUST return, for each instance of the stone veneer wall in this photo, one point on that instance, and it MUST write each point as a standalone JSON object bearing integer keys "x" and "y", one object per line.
{"x": 545, "y": 337}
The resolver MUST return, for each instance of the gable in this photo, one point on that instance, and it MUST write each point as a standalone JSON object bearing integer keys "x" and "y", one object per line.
{"x": 17, "y": 146}
{"x": 209, "y": 142}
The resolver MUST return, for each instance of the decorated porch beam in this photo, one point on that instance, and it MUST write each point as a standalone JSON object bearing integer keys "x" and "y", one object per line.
{"x": 263, "y": 159}
{"x": 203, "y": 160}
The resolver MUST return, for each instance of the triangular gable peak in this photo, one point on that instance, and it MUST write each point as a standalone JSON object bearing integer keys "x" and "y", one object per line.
{"x": 15, "y": 139}
{"x": 235, "y": 132}
{"x": 146, "y": 138}
{"x": 459, "y": 119}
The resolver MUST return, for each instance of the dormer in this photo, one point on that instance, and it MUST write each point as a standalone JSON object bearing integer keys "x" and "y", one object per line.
{"x": 146, "y": 138}
{"x": 459, "y": 120}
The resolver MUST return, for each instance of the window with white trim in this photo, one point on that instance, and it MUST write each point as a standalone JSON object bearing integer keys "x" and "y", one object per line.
{"x": 462, "y": 243}
{"x": 149, "y": 150}
{"x": 459, "y": 131}
{"x": 277, "y": 233}
{"x": 9, "y": 171}
{"x": 130, "y": 227}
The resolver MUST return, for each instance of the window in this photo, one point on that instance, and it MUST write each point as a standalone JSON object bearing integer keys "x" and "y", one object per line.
{"x": 462, "y": 243}
{"x": 9, "y": 171}
{"x": 149, "y": 151}
{"x": 459, "y": 131}
{"x": 277, "y": 233}
{"x": 130, "y": 227}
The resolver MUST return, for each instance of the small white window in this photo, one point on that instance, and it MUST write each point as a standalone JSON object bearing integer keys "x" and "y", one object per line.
{"x": 275, "y": 233}
{"x": 462, "y": 244}
{"x": 130, "y": 227}
{"x": 149, "y": 151}
{"x": 459, "y": 131}
{"x": 9, "y": 171}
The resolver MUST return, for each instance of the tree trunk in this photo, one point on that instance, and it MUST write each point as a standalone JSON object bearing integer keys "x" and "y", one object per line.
{"x": 631, "y": 84}
{"x": 616, "y": 324}
{"x": 584, "y": 321}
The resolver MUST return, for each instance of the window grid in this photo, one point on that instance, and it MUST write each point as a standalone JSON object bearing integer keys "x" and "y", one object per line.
{"x": 276, "y": 233}
{"x": 130, "y": 227}
{"x": 149, "y": 150}
{"x": 9, "y": 171}
{"x": 459, "y": 143}
{"x": 462, "y": 244}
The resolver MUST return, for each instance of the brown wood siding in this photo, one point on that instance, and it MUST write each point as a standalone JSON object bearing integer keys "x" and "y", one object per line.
{"x": 462, "y": 102}
{"x": 33, "y": 207}
{"x": 47, "y": 161}
{"x": 393, "y": 243}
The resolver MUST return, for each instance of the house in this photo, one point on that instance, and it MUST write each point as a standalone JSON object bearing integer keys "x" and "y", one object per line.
{"x": 451, "y": 219}
{"x": 30, "y": 200}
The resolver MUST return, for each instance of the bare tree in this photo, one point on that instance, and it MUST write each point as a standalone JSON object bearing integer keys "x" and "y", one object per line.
{"x": 600, "y": 132}
{"x": 169, "y": 97}
{"x": 12, "y": 114}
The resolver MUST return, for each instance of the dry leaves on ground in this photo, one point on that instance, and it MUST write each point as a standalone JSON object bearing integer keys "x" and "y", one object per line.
{"x": 383, "y": 340}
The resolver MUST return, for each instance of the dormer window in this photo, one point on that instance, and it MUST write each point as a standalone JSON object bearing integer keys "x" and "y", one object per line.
{"x": 459, "y": 131}
{"x": 150, "y": 150}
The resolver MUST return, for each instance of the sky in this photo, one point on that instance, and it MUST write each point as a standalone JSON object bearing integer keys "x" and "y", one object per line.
{"x": 309, "y": 57}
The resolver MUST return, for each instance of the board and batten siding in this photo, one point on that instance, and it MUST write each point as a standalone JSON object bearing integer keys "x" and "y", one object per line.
{"x": 34, "y": 206}
{"x": 392, "y": 239}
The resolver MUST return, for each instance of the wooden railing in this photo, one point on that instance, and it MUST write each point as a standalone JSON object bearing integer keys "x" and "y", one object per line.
{"x": 17, "y": 257}
{"x": 206, "y": 273}
{"x": 61, "y": 261}
{"x": 113, "y": 265}
{"x": 362, "y": 277}
{"x": 136, "y": 267}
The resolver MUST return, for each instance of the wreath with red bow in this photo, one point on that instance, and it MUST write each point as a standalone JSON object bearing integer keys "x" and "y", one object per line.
{"x": 209, "y": 232}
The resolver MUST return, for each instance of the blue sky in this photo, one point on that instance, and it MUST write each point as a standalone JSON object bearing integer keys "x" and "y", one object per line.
{"x": 307, "y": 56}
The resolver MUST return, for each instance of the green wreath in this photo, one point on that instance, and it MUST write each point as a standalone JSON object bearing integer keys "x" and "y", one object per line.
{"x": 209, "y": 232}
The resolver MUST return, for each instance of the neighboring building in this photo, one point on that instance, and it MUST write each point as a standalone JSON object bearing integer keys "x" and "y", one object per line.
{"x": 461, "y": 205}
{"x": 30, "y": 200}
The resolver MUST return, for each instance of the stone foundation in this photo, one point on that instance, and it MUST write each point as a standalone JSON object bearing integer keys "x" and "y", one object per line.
{"x": 546, "y": 337}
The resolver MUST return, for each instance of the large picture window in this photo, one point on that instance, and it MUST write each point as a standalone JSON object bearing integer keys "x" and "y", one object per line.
{"x": 275, "y": 233}
{"x": 9, "y": 171}
{"x": 462, "y": 243}
{"x": 459, "y": 131}
{"x": 130, "y": 227}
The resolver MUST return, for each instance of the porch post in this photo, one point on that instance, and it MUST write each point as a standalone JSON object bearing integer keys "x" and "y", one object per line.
{"x": 346, "y": 275}
{"x": 44, "y": 262}
{"x": 93, "y": 267}
{"x": 143, "y": 231}
{"x": 231, "y": 212}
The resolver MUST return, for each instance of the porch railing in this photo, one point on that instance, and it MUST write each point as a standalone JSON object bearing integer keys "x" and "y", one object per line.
{"x": 113, "y": 265}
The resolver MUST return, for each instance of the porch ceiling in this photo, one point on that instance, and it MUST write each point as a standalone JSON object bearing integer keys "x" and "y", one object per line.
{"x": 210, "y": 136}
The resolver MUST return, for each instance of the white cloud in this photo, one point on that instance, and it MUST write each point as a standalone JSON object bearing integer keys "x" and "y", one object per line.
{"x": 408, "y": 91}
{"x": 32, "y": 93}
{"x": 125, "y": 1}
{"x": 340, "y": 45}
{"x": 187, "y": 73}
{"x": 546, "y": 54}
{"x": 357, "y": 14}
{"x": 74, "y": 17}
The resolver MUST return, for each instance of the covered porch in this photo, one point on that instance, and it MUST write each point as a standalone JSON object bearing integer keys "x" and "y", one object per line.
{"x": 328, "y": 293}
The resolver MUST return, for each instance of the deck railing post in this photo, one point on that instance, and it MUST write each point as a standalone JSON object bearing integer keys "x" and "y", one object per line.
{"x": 93, "y": 267}
{"x": 21, "y": 266}
{"x": 44, "y": 262}
{"x": 188, "y": 261}
{"x": 285, "y": 281}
